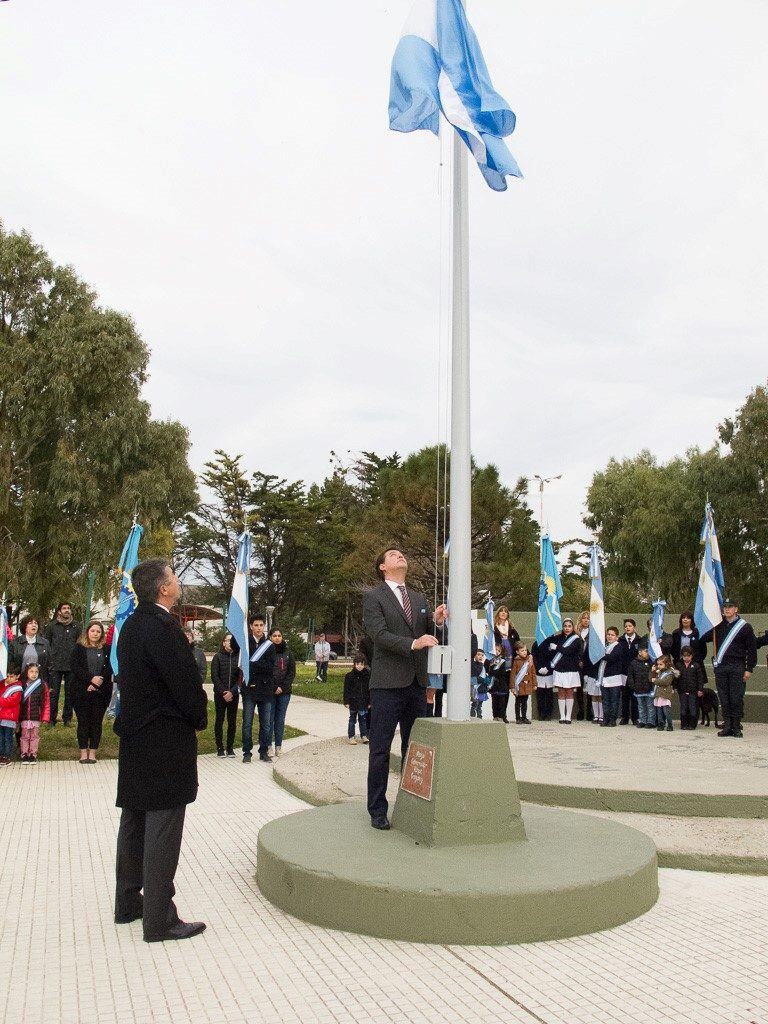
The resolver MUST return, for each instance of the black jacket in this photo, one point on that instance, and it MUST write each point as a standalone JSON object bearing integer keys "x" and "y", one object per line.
{"x": 542, "y": 658}
{"x": 498, "y": 674}
{"x": 698, "y": 647}
{"x": 200, "y": 660}
{"x": 357, "y": 690}
{"x": 394, "y": 664}
{"x": 629, "y": 649}
{"x": 614, "y": 662}
{"x": 283, "y": 667}
{"x": 225, "y": 671}
{"x": 513, "y": 637}
{"x": 570, "y": 656}
{"x": 43, "y": 648}
{"x": 639, "y": 677}
{"x": 162, "y": 705}
{"x": 261, "y": 684}
{"x": 62, "y": 639}
{"x": 81, "y": 676}
{"x": 743, "y": 648}
{"x": 692, "y": 679}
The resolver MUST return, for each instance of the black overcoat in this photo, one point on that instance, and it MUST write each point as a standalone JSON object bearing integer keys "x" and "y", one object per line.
{"x": 162, "y": 704}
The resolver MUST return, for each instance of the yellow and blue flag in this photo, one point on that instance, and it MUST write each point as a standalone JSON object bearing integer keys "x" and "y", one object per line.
{"x": 548, "y": 620}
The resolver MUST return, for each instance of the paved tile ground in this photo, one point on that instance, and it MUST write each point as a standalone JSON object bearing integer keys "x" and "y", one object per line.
{"x": 699, "y": 956}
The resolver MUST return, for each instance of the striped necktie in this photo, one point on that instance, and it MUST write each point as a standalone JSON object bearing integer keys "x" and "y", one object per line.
{"x": 406, "y": 603}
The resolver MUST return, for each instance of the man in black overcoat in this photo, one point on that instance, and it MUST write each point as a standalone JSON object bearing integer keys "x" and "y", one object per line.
{"x": 399, "y": 624}
{"x": 162, "y": 704}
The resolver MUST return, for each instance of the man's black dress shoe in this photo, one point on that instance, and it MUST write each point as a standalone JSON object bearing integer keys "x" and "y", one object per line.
{"x": 182, "y": 930}
{"x": 265, "y": 757}
{"x": 136, "y": 915}
{"x": 382, "y": 823}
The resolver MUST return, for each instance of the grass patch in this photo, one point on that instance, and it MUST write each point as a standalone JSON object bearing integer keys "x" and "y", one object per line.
{"x": 60, "y": 743}
{"x": 305, "y": 684}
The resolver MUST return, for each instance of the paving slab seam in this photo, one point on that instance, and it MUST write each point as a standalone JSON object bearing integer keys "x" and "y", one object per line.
{"x": 489, "y": 981}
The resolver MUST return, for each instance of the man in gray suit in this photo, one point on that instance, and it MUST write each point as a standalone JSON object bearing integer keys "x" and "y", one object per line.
{"x": 400, "y": 626}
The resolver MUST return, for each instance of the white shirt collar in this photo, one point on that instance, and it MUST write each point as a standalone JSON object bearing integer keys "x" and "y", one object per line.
{"x": 395, "y": 588}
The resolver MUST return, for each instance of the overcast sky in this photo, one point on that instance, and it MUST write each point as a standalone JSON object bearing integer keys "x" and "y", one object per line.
{"x": 225, "y": 174}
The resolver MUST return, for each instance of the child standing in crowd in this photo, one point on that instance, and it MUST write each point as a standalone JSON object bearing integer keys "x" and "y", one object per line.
{"x": 10, "y": 704}
{"x": 610, "y": 677}
{"x": 357, "y": 698}
{"x": 35, "y": 708}
{"x": 479, "y": 684}
{"x": 690, "y": 688}
{"x": 663, "y": 677}
{"x": 498, "y": 672}
{"x": 639, "y": 683}
{"x": 522, "y": 682}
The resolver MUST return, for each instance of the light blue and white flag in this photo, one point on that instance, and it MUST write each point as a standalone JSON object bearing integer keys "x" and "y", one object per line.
{"x": 237, "y": 615}
{"x": 548, "y": 619}
{"x": 126, "y": 599}
{"x": 707, "y": 612}
{"x": 596, "y": 640}
{"x": 438, "y": 66}
{"x": 489, "y": 641}
{"x": 656, "y": 632}
{"x": 3, "y": 640}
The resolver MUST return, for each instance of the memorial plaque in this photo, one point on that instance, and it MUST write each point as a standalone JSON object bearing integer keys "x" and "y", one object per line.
{"x": 417, "y": 774}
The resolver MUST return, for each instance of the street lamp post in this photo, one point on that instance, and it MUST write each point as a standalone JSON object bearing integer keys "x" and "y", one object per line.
{"x": 542, "y": 481}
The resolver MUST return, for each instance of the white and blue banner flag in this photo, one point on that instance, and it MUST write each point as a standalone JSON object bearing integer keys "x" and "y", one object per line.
{"x": 596, "y": 639}
{"x": 707, "y": 612}
{"x": 548, "y": 618}
{"x": 237, "y": 614}
{"x": 3, "y": 640}
{"x": 126, "y": 599}
{"x": 489, "y": 641}
{"x": 438, "y": 66}
{"x": 656, "y": 632}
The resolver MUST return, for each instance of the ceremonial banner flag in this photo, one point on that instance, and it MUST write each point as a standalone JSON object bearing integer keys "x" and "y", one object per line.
{"x": 707, "y": 612}
{"x": 489, "y": 642}
{"x": 237, "y": 616}
{"x": 3, "y": 640}
{"x": 596, "y": 639}
{"x": 548, "y": 618}
{"x": 438, "y": 66}
{"x": 126, "y": 600}
{"x": 656, "y": 632}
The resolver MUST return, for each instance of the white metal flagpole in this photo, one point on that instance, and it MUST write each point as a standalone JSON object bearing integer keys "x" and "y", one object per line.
{"x": 453, "y": 158}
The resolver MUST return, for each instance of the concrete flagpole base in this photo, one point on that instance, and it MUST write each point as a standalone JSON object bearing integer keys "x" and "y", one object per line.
{"x": 461, "y": 864}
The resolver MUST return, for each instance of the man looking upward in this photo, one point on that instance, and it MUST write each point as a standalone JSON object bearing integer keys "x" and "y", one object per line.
{"x": 400, "y": 626}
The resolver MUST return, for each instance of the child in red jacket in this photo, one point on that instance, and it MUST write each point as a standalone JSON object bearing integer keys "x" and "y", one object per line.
{"x": 35, "y": 708}
{"x": 10, "y": 703}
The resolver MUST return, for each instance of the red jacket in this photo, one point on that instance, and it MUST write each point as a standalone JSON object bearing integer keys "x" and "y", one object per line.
{"x": 10, "y": 700}
{"x": 37, "y": 706}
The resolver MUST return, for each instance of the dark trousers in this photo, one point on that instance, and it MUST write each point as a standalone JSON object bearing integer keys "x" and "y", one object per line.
{"x": 148, "y": 847}
{"x": 499, "y": 703}
{"x": 628, "y": 705}
{"x": 390, "y": 708}
{"x": 322, "y": 671}
{"x": 730, "y": 689}
{"x": 228, "y": 711}
{"x": 266, "y": 710}
{"x": 56, "y": 680}
{"x": 361, "y": 718}
{"x": 90, "y": 713}
{"x": 689, "y": 710}
{"x": 544, "y": 703}
{"x": 521, "y": 708}
{"x": 611, "y": 703}
{"x": 437, "y": 707}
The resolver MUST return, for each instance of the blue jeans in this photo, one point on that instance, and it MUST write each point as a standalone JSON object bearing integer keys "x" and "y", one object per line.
{"x": 359, "y": 717}
{"x": 6, "y": 740}
{"x": 646, "y": 712}
{"x": 266, "y": 710}
{"x": 611, "y": 703}
{"x": 281, "y": 706}
{"x": 664, "y": 717}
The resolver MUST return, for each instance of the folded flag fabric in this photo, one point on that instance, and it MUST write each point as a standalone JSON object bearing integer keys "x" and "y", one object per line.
{"x": 707, "y": 612}
{"x": 237, "y": 615}
{"x": 3, "y": 640}
{"x": 656, "y": 632}
{"x": 489, "y": 640}
{"x": 438, "y": 66}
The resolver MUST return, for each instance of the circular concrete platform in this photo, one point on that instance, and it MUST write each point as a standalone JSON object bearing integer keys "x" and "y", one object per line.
{"x": 572, "y": 875}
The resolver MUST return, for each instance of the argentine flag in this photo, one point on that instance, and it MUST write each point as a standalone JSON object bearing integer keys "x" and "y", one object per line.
{"x": 126, "y": 599}
{"x": 656, "y": 631}
{"x": 596, "y": 639}
{"x": 438, "y": 66}
{"x": 237, "y": 615}
{"x": 707, "y": 612}
{"x": 489, "y": 640}
{"x": 3, "y": 640}
{"x": 548, "y": 618}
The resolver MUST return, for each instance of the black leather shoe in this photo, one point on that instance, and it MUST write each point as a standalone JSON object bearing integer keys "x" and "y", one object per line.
{"x": 725, "y": 732}
{"x": 136, "y": 915}
{"x": 182, "y": 930}
{"x": 246, "y": 758}
{"x": 381, "y": 823}
{"x": 265, "y": 757}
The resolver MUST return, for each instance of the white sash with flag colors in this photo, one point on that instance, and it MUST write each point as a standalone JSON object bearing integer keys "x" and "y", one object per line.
{"x": 601, "y": 670}
{"x": 559, "y": 654}
{"x": 523, "y": 672}
{"x": 735, "y": 628}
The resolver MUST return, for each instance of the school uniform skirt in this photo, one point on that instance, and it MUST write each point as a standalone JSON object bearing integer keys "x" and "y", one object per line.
{"x": 567, "y": 680}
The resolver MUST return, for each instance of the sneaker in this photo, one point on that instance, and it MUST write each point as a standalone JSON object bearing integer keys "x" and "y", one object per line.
{"x": 363, "y": 739}
{"x": 352, "y": 742}
{"x": 670, "y": 728}
{"x": 220, "y": 752}
{"x": 265, "y": 757}
{"x": 271, "y": 752}
{"x": 31, "y": 759}
{"x": 230, "y": 753}
{"x": 4, "y": 761}
{"x": 278, "y": 751}
{"x": 246, "y": 758}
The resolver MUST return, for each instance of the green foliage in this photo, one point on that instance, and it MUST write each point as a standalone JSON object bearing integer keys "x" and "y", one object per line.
{"x": 79, "y": 452}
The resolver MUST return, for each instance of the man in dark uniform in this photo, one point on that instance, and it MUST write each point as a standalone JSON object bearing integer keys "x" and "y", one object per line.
{"x": 400, "y": 627}
{"x": 162, "y": 705}
{"x": 734, "y": 657}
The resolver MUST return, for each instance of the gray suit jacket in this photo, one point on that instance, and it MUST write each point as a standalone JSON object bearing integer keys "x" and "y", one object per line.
{"x": 394, "y": 664}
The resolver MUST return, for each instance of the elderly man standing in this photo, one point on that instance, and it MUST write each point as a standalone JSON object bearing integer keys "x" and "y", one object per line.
{"x": 399, "y": 624}
{"x": 162, "y": 705}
